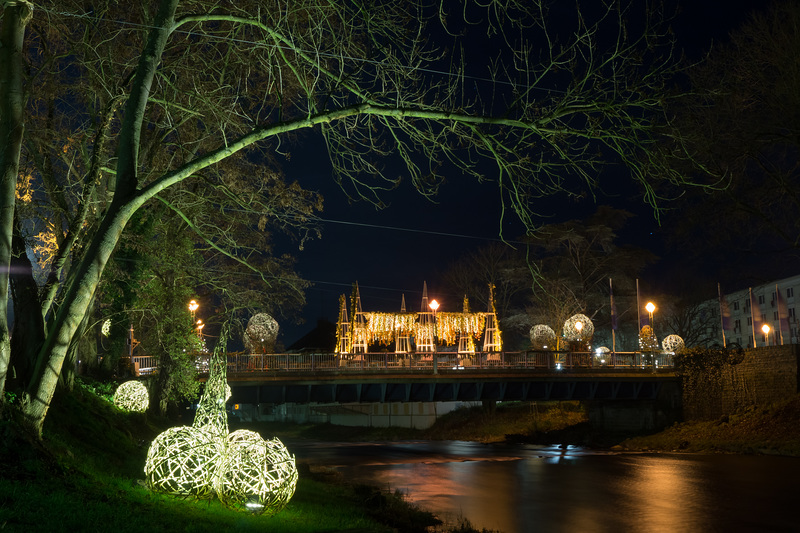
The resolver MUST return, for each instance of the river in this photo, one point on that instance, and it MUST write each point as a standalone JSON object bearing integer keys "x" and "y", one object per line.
{"x": 527, "y": 488}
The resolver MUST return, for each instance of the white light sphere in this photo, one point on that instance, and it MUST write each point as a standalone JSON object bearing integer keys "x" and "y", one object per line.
{"x": 132, "y": 396}
{"x": 256, "y": 475}
{"x": 578, "y": 327}
{"x": 542, "y": 337}
{"x": 184, "y": 461}
{"x": 261, "y": 334}
{"x": 673, "y": 343}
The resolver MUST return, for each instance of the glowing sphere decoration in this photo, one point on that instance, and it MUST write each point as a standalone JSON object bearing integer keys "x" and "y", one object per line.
{"x": 256, "y": 475}
{"x": 261, "y": 333}
{"x": 673, "y": 343}
{"x": 578, "y": 327}
{"x": 543, "y": 337}
{"x": 184, "y": 461}
{"x": 132, "y": 396}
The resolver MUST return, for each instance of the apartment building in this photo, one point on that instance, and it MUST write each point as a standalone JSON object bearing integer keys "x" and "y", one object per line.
{"x": 774, "y": 304}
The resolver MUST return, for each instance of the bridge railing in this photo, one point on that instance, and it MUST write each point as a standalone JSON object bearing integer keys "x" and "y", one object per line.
{"x": 321, "y": 362}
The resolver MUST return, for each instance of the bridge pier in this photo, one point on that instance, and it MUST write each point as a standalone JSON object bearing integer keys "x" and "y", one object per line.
{"x": 638, "y": 416}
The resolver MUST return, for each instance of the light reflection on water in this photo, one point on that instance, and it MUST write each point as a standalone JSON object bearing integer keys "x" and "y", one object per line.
{"x": 528, "y": 488}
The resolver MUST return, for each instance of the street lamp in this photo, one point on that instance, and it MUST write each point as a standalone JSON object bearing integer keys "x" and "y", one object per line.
{"x": 193, "y": 307}
{"x": 650, "y": 308}
{"x": 434, "y": 305}
{"x": 765, "y": 328}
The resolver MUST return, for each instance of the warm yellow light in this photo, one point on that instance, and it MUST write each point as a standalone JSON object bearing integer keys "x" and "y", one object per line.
{"x": 650, "y": 307}
{"x": 765, "y": 328}
{"x": 579, "y": 326}
{"x": 434, "y": 305}
{"x": 193, "y": 306}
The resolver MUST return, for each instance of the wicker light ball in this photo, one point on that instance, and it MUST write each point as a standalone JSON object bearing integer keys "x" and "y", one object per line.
{"x": 573, "y": 333}
{"x": 261, "y": 333}
{"x": 542, "y": 337}
{"x": 132, "y": 396}
{"x": 184, "y": 461}
{"x": 256, "y": 475}
{"x": 673, "y": 343}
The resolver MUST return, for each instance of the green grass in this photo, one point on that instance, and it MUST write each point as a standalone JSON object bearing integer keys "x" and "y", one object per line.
{"x": 87, "y": 475}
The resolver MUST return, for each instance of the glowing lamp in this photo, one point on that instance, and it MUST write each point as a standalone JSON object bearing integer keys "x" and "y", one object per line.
{"x": 765, "y": 328}
{"x": 650, "y": 307}
{"x": 434, "y": 305}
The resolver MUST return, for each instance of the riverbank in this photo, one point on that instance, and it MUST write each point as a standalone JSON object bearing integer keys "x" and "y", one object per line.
{"x": 87, "y": 475}
{"x": 772, "y": 429}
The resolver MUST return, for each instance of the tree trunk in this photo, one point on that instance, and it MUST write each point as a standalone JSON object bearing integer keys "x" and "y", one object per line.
{"x": 12, "y": 105}
{"x": 84, "y": 278}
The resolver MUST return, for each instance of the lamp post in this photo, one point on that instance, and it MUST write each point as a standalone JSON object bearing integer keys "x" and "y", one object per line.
{"x": 434, "y": 305}
{"x": 192, "y": 308}
{"x": 765, "y": 328}
{"x": 650, "y": 308}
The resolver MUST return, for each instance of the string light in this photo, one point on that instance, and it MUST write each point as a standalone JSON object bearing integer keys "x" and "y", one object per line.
{"x": 132, "y": 396}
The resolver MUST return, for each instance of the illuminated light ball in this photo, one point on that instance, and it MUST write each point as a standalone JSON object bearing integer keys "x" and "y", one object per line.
{"x": 132, "y": 396}
{"x": 257, "y": 476}
{"x": 105, "y": 329}
{"x": 261, "y": 333}
{"x": 573, "y": 332}
{"x": 673, "y": 343}
{"x": 542, "y": 337}
{"x": 184, "y": 461}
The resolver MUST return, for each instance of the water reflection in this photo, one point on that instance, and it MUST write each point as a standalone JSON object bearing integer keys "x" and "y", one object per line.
{"x": 529, "y": 488}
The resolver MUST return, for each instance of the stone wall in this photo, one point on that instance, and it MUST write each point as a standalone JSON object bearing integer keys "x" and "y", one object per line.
{"x": 756, "y": 377}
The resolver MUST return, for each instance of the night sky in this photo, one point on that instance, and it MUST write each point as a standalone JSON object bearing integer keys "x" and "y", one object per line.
{"x": 361, "y": 244}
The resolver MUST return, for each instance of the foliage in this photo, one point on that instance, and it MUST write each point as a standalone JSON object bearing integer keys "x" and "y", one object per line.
{"x": 179, "y": 102}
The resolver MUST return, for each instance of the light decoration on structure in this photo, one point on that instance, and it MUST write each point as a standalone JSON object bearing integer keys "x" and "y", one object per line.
{"x": 542, "y": 337}
{"x": 105, "y": 329}
{"x": 256, "y": 475}
{"x": 647, "y": 340}
{"x": 261, "y": 333}
{"x": 244, "y": 471}
{"x": 574, "y": 332}
{"x": 673, "y": 344}
{"x": 132, "y": 396}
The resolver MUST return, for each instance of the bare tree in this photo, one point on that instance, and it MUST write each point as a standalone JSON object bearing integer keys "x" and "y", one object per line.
{"x": 157, "y": 98}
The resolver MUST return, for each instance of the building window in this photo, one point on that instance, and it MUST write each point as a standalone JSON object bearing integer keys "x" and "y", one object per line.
{"x": 760, "y": 298}
{"x": 736, "y": 305}
{"x": 791, "y": 312}
{"x": 737, "y": 325}
{"x": 763, "y": 317}
{"x": 747, "y": 304}
{"x": 775, "y": 315}
{"x": 750, "y": 322}
{"x": 749, "y": 340}
{"x": 790, "y": 292}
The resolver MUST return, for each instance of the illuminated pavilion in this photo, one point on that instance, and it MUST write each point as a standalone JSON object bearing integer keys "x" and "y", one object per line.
{"x": 415, "y": 332}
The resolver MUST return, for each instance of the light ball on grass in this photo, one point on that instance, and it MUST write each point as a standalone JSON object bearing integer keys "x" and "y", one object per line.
{"x": 184, "y": 461}
{"x": 132, "y": 396}
{"x": 256, "y": 475}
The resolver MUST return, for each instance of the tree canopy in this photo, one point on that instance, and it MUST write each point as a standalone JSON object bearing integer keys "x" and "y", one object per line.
{"x": 130, "y": 104}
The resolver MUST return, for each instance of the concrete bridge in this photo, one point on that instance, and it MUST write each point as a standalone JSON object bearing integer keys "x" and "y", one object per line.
{"x": 628, "y": 391}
